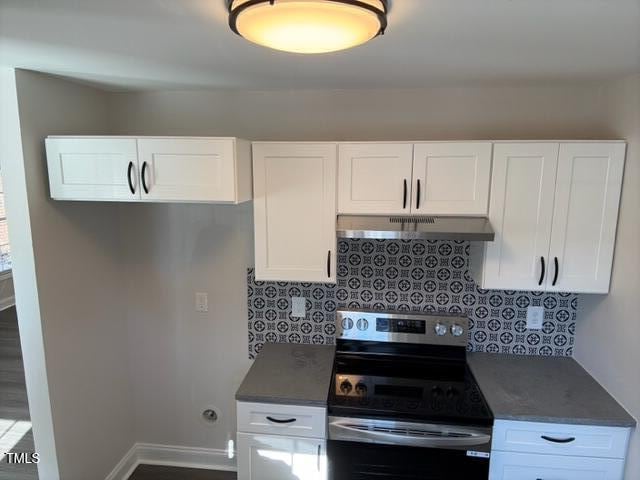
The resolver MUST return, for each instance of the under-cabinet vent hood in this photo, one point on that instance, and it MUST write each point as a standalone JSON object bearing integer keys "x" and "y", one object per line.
{"x": 415, "y": 227}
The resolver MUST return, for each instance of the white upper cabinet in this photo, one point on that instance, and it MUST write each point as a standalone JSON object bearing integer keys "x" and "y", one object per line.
{"x": 194, "y": 170}
{"x": 150, "y": 169}
{"x": 554, "y": 208}
{"x": 295, "y": 211}
{"x": 451, "y": 178}
{"x": 585, "y": 216}
{"x": 374, "y": 178}
{"x": 93, "y": 168}
{"x": 437, "y": 178}
{"x": 522, "y": 189}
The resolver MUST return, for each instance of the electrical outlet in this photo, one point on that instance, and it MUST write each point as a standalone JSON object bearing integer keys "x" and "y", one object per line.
{"x": 298, "y": 307}
{"x": 535, "y": 316}
{"x": 202, "y": 302}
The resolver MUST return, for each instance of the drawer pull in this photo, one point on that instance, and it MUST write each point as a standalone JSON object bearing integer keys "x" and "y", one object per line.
{"x": 275, "y": 420}
{"x": 558, "y": 440}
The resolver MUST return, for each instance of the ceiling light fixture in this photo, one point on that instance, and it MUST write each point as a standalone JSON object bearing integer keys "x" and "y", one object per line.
{"x": 308, "y": 26}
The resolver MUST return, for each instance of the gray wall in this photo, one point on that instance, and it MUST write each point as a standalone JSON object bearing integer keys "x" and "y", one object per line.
{"x": 608, "y": 336}
{"x": 67, "y": 271}
{"x": 566, "y": 111}
{"x": 183, "y": 360}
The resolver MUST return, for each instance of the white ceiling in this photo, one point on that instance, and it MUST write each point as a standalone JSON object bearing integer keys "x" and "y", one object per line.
{"x": 131, "y": 44}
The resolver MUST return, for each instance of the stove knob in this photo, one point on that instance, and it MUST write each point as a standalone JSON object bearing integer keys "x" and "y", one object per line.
{"x": 456, "y": 330}
{"x": 345, "y": 387}
{"x": 347, "y": 323}
{"x": 436, "y": 392}
{"x": 362, "y": 324}
{"x": 440, "y": 329}
{"x": 361, "y": 388}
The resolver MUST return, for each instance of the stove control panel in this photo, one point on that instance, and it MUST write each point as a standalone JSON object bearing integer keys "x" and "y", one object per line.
{"x": 401, "y": 327}
{"x": 400, "y": 389}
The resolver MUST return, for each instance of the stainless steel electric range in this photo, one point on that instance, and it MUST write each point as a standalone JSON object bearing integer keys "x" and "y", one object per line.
{"x": 403, "y": 404}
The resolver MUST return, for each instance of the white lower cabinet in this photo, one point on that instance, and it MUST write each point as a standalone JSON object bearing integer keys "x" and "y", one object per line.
{"x": 278, "y": 457}
{"x": 281, "y": 442}
{"x": 531, "y": 466}
{"x": 550, "y": 451}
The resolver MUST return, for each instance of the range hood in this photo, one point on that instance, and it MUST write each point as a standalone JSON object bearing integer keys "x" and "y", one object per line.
{"x": 415, "y": 227}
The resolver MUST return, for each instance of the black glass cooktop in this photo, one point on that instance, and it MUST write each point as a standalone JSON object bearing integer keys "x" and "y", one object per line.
{"x": 436, "y": 390}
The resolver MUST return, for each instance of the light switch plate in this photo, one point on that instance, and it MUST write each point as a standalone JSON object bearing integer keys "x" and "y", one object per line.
{"x": 535, "y": 316}
{"x": 298, "y": 307}
{"x": 202, "y": 302}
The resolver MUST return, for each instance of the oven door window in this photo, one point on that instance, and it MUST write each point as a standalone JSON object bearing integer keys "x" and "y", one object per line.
{"x": 366, "y": 461}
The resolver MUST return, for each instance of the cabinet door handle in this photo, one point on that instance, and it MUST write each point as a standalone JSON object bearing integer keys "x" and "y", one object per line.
{"x": 541, "y": 271}
{"x": 418, "y": 196}
{"x": 329, "y": 264}
{"x": 142, "y": 176}
{"x": 404, "y": 195}
{"x": 555, "y": 274}
{"x": 131, "y": 187}
{"x": 558, "y": 440}
{"x": 275, "y": 420}
{"x": 319, "y": 448}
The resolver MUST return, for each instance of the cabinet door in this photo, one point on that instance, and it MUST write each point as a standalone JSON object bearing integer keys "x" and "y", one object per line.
{"x": 188, "y": 169}
{"x": 84, "y": 168}
{"x": 374, "y": 178}
{"x": 272, "y": 457}
{"x": 295, "y": 211}
{"x": 526, "y": 466}
{"x": 520, "y": 211}
{"x": 451, "y": 178}
{"x": 585, "y": 216}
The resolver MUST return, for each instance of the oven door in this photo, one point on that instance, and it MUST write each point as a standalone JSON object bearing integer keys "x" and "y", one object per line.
{"x": 360, "y": 449}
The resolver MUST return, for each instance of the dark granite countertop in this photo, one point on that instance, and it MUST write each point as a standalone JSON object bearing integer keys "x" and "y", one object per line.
{"x": 289, "y": 373}
{"x": 545, "y": 389}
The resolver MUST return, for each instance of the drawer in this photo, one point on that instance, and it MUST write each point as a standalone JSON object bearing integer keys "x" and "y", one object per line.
{"x": 560, "y": 439}
{"x": 530, "y": 466}
{"x": 274, "y": 419}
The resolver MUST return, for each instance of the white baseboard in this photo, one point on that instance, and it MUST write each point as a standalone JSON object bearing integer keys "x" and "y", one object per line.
{"x": 125, "y": 466}
{"x": 7, "y": 302}
{"x": 173, "y": 456}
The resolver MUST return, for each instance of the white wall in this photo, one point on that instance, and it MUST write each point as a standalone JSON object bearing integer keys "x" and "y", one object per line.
{"x": 182, "y": 360}
{"x": 608, "y": 332}
{"x": 67, "y": 272}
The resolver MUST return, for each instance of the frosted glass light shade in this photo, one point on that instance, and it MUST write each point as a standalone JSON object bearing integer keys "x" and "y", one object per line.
{"x": 308, "y": 26}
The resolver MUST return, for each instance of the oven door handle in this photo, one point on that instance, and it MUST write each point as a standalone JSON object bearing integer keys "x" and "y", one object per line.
{"x": 416, "y": 435}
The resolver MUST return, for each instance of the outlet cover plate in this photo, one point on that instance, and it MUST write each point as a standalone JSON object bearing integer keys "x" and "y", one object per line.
{"x": 298, "y": 307}
{"x": 535, "y": 316}
{"x": 202, "y": 302}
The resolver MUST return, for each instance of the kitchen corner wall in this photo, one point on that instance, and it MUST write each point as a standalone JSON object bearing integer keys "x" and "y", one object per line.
{"x": 417, "y": 276}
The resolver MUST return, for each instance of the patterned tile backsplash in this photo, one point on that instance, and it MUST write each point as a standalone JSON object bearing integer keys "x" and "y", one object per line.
{"x": 421, "y": 276}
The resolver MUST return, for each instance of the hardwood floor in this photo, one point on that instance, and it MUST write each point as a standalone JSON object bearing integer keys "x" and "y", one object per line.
{"x": 156, "y": 472}
{"x": 14, "y": 407}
